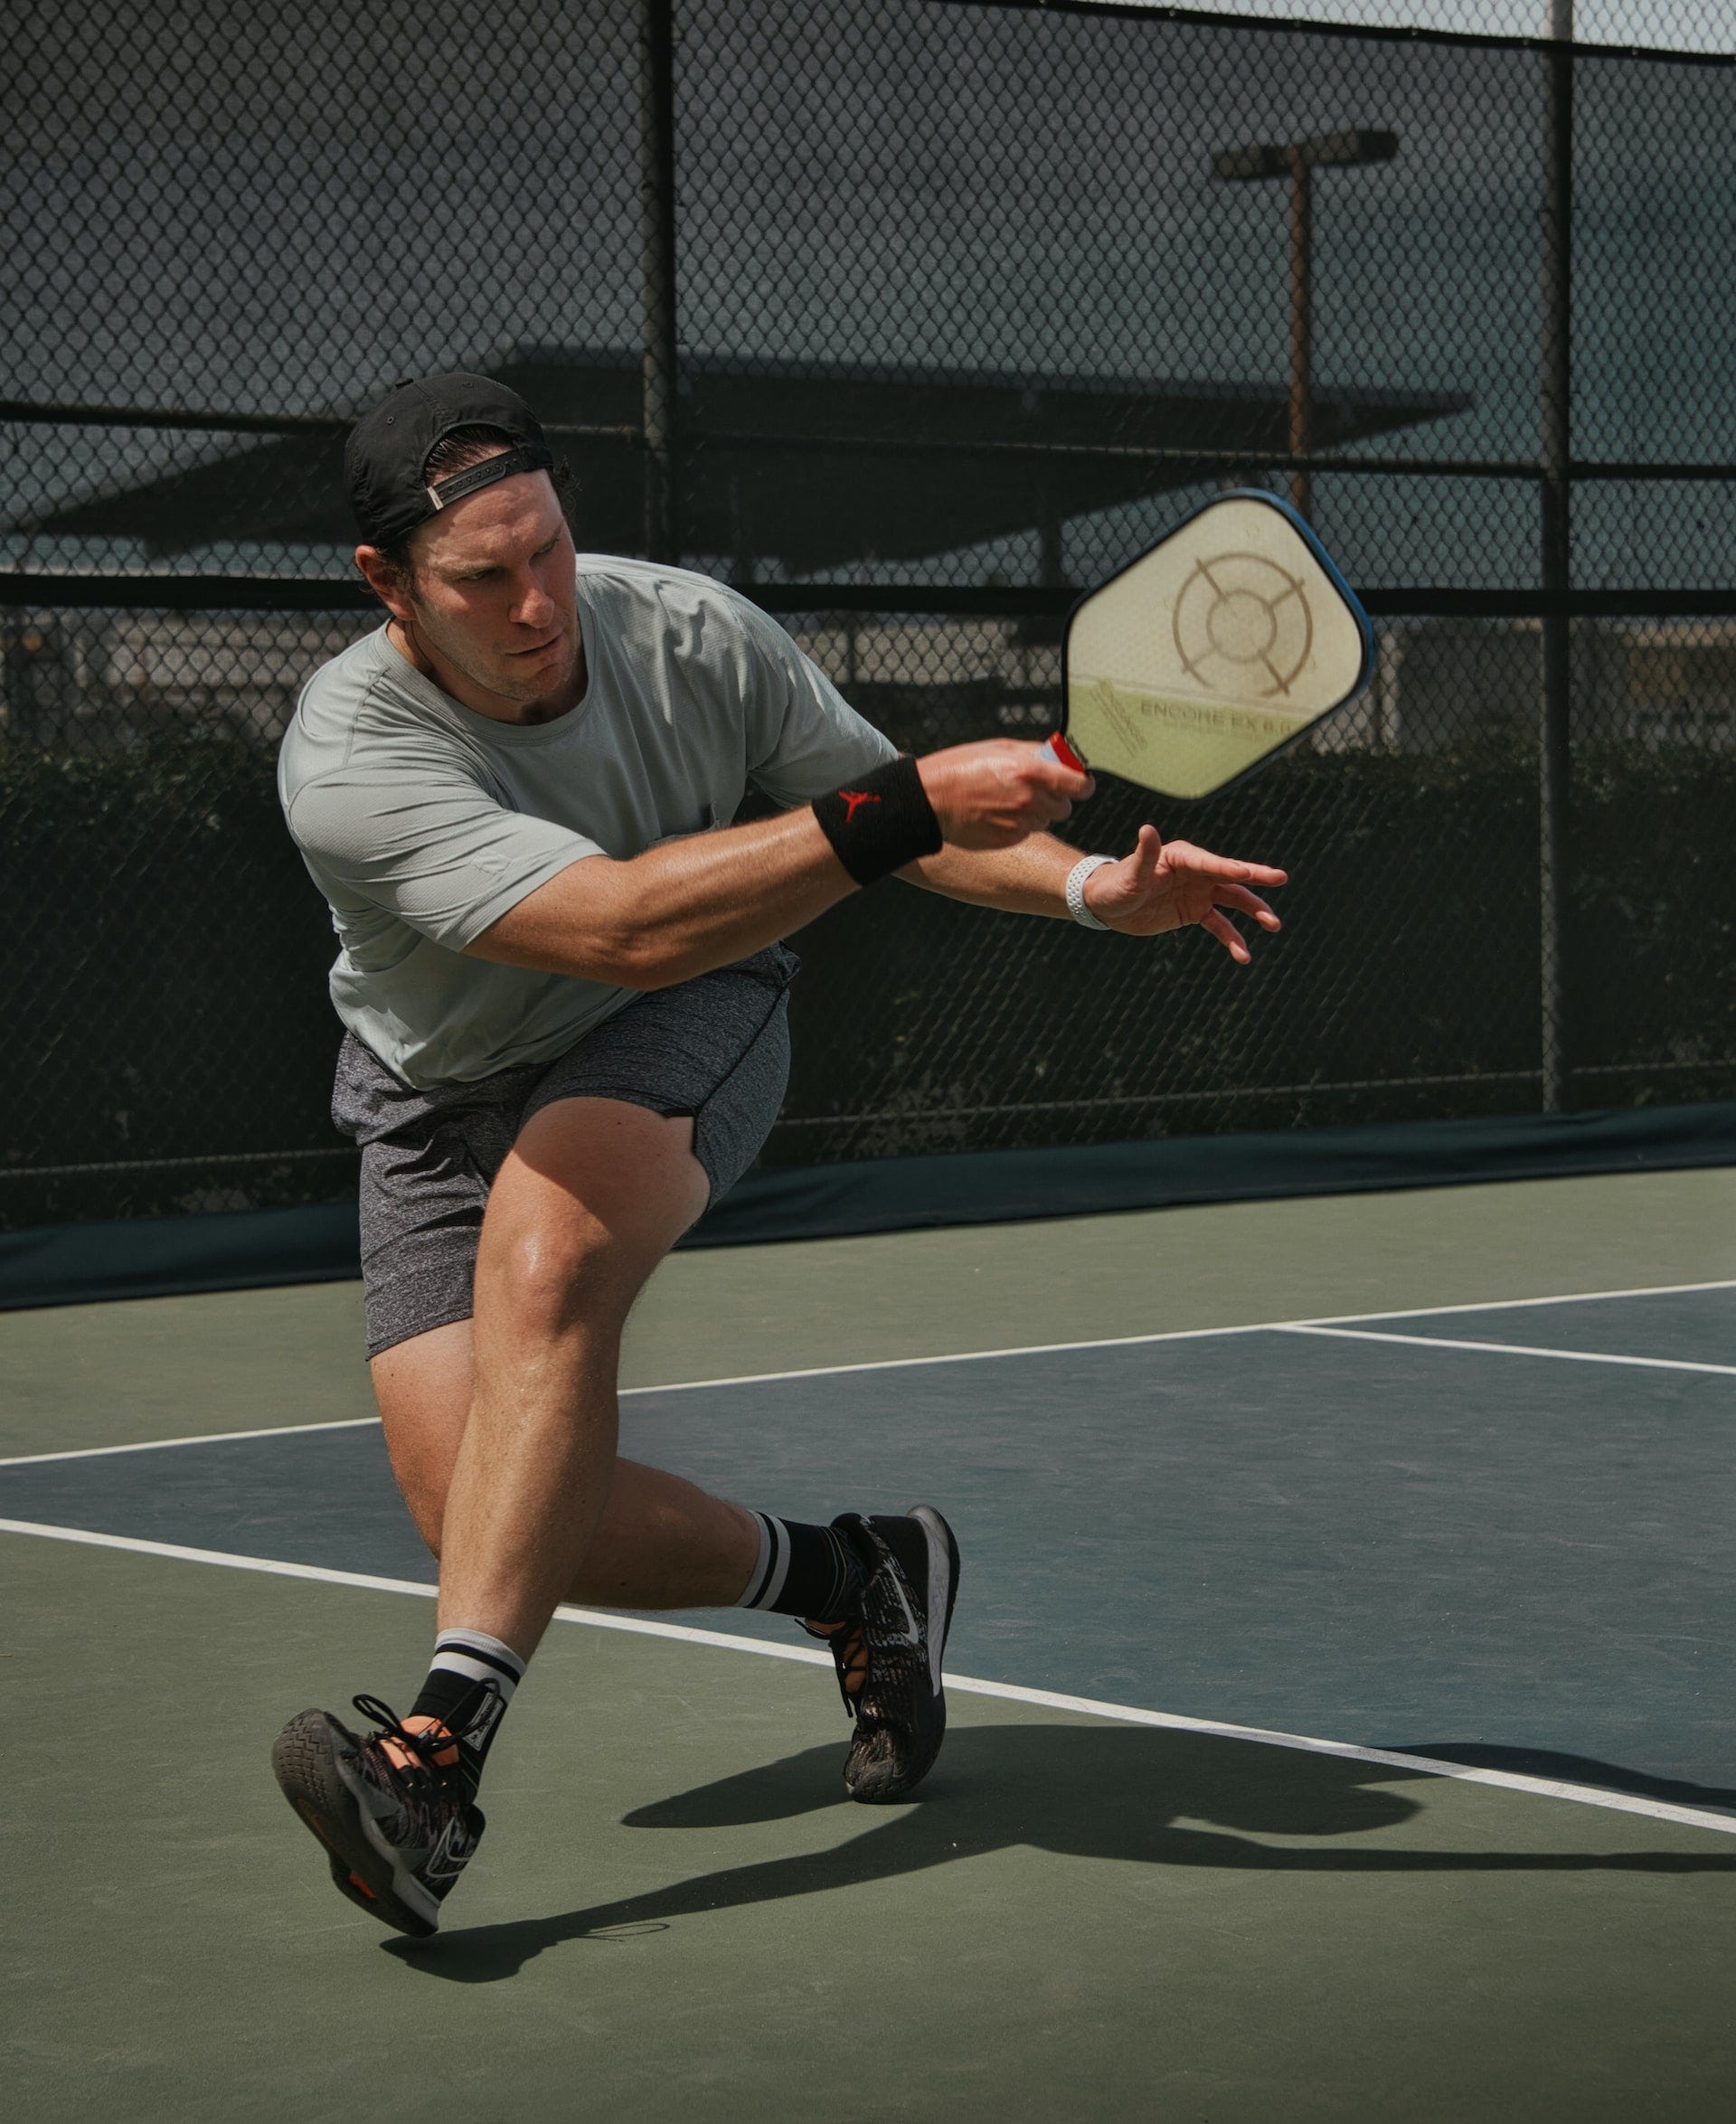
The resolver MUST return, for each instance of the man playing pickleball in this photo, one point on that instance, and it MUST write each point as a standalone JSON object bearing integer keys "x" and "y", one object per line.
{"x": 562, "y": 979}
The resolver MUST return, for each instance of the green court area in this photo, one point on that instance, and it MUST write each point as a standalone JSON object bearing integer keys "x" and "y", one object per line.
{"x": 1342, "y": 1722}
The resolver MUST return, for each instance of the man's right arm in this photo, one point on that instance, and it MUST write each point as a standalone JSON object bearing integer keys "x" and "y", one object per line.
{"x": 702, "y": 902}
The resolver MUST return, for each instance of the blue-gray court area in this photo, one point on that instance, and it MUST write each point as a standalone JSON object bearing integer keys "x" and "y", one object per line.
{"x": 1500, "y": 1555}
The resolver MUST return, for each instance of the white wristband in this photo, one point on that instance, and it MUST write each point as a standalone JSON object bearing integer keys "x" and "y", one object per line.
{"x": 1076, "y": 878}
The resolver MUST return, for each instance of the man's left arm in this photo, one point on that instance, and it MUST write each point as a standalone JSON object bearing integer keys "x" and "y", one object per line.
{"x": 804, "y": 738}
{"x": 1159, "y": 885}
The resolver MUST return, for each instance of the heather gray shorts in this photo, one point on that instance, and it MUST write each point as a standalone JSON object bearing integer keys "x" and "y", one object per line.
{"x": 716, "y": 1047}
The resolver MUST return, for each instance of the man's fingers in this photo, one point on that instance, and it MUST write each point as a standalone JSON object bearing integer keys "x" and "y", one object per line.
{"x": 1227, "y": 934}
{"x": 1051, "y": 791}
{"x": 1184, "y": 855}
{"x": 993, "y": 794}
{"x": 1062, "y": 781}
{"x": 1246, "y": 903}
{"x": 1131, "y": 882}
{"x": 1137, "y": 873}
{"x": 1152, "y": 874}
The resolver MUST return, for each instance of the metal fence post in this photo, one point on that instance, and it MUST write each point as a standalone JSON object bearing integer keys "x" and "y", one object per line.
{"x": 1556, "y": 500}
{"x": 657, "y": 274}
{"x": 1301, "y": 327}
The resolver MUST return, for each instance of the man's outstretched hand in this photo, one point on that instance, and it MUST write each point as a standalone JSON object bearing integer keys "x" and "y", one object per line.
{"x": 1169, "y": 885}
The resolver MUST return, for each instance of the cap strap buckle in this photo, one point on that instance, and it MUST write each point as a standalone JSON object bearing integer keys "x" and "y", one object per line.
{"x": 524, "y": 457}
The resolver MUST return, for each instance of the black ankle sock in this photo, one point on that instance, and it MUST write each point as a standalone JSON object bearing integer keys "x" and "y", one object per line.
{"x": 467, "y": 1689}
{"x": 806, "y": 1570}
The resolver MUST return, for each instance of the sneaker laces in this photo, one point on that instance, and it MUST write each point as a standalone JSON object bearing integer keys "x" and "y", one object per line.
{"x": 884, "y": 1624}
{"x": 849, "y": 1650}
{"x": 424, "y": 1787}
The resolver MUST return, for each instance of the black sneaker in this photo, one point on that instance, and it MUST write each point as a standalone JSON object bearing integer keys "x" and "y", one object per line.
{"x": 397, "y": 1837}
{"x": 888, "y": 1653}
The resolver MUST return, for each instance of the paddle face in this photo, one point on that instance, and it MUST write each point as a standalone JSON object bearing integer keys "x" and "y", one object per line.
{"x": 1219, "y": 645}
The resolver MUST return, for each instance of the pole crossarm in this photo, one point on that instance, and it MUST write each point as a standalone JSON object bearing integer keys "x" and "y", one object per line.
{"x": 1246, "y": 166}
{"x": 1295, "y": 161}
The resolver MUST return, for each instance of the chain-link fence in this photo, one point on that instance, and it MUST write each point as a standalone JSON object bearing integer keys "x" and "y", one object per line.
{"x": 912, "y": 319}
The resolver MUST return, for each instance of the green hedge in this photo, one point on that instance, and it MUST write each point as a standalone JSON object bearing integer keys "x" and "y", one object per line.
{"x": 166, "y": 979}
{"x": 1410, "y": 953}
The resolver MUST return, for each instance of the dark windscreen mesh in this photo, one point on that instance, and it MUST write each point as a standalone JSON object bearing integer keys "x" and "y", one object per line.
{"x": 953, "y": 316}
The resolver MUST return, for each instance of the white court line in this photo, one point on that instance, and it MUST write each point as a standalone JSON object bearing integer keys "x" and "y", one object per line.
{"x": 1115, "y": 1342}
{"x": 211, "y": 1438}
{"x": 1038, "y": 1349}
{"x": 1034, "y": 1349}
{"x": 1570, "y": 1297}
{"x": 1511, "y": 1349}
{"x": 1661, "y": 1810}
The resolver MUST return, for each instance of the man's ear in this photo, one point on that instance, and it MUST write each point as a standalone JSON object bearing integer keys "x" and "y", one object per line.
{"x": 386, "y": 581}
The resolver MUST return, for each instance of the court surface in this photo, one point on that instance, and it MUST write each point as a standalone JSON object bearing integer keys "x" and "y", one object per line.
{"x": 1343, "y": 1710}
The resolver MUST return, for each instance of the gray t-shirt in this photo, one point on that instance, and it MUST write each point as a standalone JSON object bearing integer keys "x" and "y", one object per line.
{"x": 423, "y": 822}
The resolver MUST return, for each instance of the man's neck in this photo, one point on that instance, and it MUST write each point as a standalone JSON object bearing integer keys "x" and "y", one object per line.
{"x": 497, "y": 707}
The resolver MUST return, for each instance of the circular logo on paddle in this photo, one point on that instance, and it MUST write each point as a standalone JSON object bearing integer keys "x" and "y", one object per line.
{"x": 1242, "y": 625}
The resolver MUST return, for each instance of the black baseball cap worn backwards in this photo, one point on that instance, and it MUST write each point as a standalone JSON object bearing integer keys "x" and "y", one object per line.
{"x": 390, "y": 446}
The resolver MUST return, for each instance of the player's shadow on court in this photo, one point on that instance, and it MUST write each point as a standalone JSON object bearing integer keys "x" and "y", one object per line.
{"x": 1576, "y": 1769}
{"x": 1087, "y": 1792}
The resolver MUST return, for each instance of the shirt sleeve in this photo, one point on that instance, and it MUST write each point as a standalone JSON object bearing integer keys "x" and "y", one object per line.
{"x": 431, "y": 847}
{"x": 804, "y": 738}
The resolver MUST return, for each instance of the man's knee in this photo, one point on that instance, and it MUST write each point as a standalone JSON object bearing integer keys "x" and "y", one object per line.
{"x": 550, "y": 1276}
{"x": 592, "y": 1196}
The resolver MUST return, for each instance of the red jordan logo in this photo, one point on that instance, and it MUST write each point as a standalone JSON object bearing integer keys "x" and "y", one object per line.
{"x": 855, "y": 797}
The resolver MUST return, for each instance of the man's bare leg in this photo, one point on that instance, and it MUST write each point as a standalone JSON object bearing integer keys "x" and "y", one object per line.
{"x": 661, "y": 1542}
{"x": 592, "y": 1196}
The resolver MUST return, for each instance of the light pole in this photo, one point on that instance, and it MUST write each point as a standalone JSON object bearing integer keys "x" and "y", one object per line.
{"x": 1557, "y": 500}
{"x": 1297, "y": 160}
{"x": 660, "y": 358}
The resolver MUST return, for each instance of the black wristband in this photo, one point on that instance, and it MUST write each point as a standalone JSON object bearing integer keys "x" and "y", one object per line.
{"x": 880, "y": 822}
